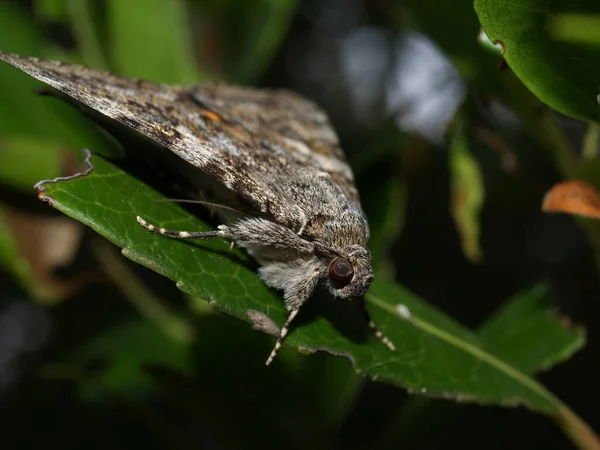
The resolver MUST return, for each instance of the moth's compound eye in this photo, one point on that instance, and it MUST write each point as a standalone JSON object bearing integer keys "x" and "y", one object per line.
{"x": 341, "y": 271}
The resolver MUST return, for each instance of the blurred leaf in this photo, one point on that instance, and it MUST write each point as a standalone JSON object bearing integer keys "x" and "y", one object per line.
{"x": 202, "y": 381}
{"x": 51, "y": 10}
{"x": 580, "y": 28}
{"x": 25, "y": 115}
{"x": 574, "y": 197}
{"x": 43, "y": 156}
{"x": 125, "y": 349}
{"x": 385, "y": 198}
{"x": 454, "y": 27}
{"x": 140, "y": 296}
{"x": 468, "y": 194}
{"x": 213, "y": 411}
{"x": 20, "y": 112}
{"x": 10, "y": 259}
{"x": 155, "y": 45}
{"x": 435, "y": 355}
{"x": 578, "y": 196}
{"x": 256, "y": 30}
{"x": 529, "y": 334}
{"x": 386, "y": 212}
{"x": 33, "y": 246}
{"x": 559, "y": 73}
{"x": 591, "y": 141}
{"x": 83, "y": 21}
{"x": 305, "y": 398}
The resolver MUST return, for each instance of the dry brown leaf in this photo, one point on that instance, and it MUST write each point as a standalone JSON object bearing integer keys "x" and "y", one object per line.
{"x": 46, "y": 243}
{"x": 573, "y": 197}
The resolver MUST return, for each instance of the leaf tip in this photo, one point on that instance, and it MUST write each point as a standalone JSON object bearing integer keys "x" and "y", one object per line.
{"x": 573, "y": 197}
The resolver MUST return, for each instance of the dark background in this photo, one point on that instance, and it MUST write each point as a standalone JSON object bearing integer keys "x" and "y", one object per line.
{"x": 392, "y": 91}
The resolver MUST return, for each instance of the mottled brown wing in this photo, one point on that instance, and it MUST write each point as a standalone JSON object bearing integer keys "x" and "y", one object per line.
{"x": 285, "y": 123}
{"x": 243, "y": 137}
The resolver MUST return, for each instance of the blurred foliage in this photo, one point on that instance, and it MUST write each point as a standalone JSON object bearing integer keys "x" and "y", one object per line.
{"x": 124, "y": 359}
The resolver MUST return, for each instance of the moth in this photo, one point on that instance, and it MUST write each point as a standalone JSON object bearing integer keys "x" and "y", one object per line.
{"x": 269, "y": 157}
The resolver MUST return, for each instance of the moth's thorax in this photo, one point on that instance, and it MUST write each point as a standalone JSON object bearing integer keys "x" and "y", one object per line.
{"x": 347, "y": 228}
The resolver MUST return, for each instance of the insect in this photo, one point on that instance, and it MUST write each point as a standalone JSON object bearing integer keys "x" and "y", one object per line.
{"x": 269, "y": 156}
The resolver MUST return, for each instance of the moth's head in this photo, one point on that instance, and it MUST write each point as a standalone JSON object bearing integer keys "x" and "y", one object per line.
{"x": 350, "y": 274}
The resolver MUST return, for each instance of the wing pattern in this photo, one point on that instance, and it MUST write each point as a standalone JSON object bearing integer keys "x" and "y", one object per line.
{"x": 249, "y": 140}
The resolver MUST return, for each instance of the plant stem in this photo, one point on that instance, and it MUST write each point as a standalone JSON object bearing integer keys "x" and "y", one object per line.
{"x": 142, "y": 299}
{"x": 85, "y": 32}
{"x": 551, "y": 135}
{"x": 591, "y": 140}
{"x": 580, "y": 432}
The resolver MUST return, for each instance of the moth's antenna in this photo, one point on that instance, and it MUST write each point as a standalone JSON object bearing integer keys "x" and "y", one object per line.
{"x": 198, "y": 202}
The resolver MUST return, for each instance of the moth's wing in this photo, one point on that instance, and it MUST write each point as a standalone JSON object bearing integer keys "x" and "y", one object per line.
{"x": 251, "y": 142}
{"x": 171, "y": 117}
{"x": 286, "y": 123}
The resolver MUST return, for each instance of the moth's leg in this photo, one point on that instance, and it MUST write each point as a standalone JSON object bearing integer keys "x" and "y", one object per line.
{"x": 376, "y": 331}
{"x": 270, "y": 240}
{"x": 298, "y": 283}
{"x": 282, "y": 334}
{"x": 174, "y": 234}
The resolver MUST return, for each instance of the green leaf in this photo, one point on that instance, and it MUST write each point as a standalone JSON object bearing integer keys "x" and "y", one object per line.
{"x": 560, "y": 73}
{"x": 434, "y": 354}
{"x": 155, "y": 45}
{"x": 528, "y": 333}
{"x": 468, "y": 193}
{"x": 525, "y": 331}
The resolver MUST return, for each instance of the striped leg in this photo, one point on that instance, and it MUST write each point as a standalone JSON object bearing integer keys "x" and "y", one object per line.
{"x": 376, "y": 331}
{"x": 282, "y": 334}
{"x": 173, "y": 234}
